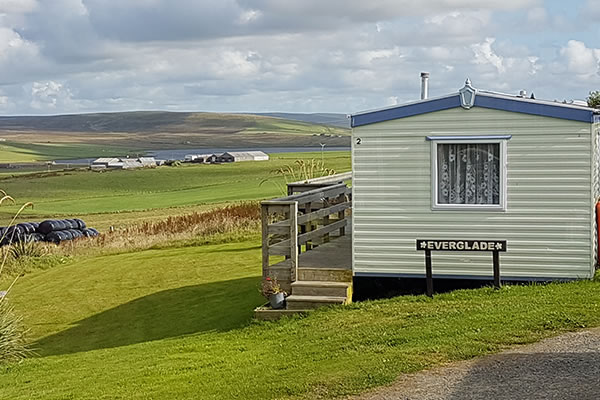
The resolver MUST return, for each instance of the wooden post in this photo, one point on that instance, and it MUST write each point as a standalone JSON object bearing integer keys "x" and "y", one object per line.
{"x": 428, "y": 273}
{"x": 293, "y": 241}
{"x": 342, "y": 214}
{"x": 264, "y": 218}
{"x": 325, "y": 221}
{"x": 309, "y": 226}
{"x": 496, "y": 255}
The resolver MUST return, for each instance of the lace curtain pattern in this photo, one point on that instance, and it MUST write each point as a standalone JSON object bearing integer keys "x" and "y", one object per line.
{"x": 468, "y": 173}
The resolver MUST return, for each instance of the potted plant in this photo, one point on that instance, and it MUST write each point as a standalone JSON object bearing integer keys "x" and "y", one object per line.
{"x": 271, "y": 289}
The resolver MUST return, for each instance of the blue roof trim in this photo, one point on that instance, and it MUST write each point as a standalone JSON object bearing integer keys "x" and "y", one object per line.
{"x": 525, "y": 107}
{"x": 481, "y": 100}
{"x": 406, "y": 111}
{"x": 488, "y": 137}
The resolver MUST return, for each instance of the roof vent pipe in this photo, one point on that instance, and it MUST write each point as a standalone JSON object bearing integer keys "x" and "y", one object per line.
{"x": 523, "y": 93}
{"x": 424, "y": 85}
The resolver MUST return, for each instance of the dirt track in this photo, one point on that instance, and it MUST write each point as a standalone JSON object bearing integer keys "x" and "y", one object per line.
{"x": 563, "y": 367}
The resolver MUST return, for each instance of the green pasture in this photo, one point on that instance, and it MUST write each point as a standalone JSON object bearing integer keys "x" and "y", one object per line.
{"x": 31, "y": 152}
{"x": 176, "y": 323}
{"x": 84, "y": 192}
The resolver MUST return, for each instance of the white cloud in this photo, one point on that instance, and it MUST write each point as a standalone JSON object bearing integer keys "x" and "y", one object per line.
{"x": 581, "y": 60}
{"x": 49, "y": 95}
{"x": 485, "y": 55}
{"x": 17, "y": 6}
{"x": 259, "y": 55}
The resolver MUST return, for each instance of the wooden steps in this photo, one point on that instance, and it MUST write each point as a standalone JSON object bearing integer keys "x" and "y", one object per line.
{"x": 298, "y": 302}
{"x": 318, "y": 287}
{"x": 321, "y": 288}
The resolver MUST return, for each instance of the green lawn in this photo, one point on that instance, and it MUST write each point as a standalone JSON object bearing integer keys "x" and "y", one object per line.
{"x": 80, "y": 193}
{"x": 175, "y": 323}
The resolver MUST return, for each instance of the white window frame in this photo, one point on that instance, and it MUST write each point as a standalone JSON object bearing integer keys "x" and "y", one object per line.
{"x": 501, "y": 140}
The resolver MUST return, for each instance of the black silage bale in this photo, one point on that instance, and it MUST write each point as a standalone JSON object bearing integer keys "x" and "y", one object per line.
{"x": 67, "y": 234}
{"x": 71, "y": 223}
{"x": 26, "y": 227}
{"x": 53, "y": 237}
{"x": 75, "y": 233}
{"x": 90, "y": 232}
{"x": 37, "y": 237}
{"x": 81, "y": 225}
{"x": 14, "y": 233}
{"x": 49, "y": 225}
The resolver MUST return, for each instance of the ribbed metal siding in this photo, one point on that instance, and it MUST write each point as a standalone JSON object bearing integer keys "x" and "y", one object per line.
{"x": 549, "y": 212}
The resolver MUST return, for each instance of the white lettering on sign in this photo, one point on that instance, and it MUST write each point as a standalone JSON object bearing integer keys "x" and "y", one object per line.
{"x": 461, "y": 245}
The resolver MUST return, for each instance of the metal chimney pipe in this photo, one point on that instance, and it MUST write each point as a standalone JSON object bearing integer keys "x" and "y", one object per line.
{"x": 424, "y": 85}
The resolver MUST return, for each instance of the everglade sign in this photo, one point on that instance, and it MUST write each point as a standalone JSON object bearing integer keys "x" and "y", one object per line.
{"x": 461, "y": 245}
{"x": 429, "y": 245}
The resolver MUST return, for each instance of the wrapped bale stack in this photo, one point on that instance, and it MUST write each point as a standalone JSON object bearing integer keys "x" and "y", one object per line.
{"x": 52, "y": 230}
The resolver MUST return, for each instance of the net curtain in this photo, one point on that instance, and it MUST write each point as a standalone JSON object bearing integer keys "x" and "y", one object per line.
{"x": 468, "y": 173}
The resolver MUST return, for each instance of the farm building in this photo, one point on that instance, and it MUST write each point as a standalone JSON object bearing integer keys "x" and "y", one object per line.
{"x": 147, "y": 161}
{"x": 201, "y": 158}
{"x": 237, "y": 156}
{"x": 476, "y": 166}
{"x": 124, "y": 163}
{"x": 104, "y": 162}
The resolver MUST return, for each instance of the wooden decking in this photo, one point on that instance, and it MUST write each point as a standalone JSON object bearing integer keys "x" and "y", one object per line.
{"x": 337, "y": 254}
{"x": 311, "y": 229}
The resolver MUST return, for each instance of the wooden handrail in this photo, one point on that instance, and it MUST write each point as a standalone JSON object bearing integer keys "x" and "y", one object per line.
{"x": 282, "y": 236}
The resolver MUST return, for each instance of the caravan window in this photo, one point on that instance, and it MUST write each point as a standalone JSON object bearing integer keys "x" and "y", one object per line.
{"x": 469, "y": 174}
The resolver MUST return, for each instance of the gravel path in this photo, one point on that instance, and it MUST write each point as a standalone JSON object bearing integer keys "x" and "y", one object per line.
{"x": 563, "y": 367}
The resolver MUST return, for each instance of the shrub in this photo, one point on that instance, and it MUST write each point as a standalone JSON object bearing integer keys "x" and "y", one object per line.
{"x": 25, "y": 248}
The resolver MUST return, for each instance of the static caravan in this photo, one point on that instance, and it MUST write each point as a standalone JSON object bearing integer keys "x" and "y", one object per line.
{"x": 476, "y": 167}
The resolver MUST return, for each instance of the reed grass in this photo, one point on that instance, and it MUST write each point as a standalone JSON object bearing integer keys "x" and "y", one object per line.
{"x": 300, "y": 170}
{"x": 13, "y": 343}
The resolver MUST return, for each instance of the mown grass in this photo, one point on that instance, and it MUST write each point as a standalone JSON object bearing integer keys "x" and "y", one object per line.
{"x": 175, "y": 323}
{"x": 81, "y": 193}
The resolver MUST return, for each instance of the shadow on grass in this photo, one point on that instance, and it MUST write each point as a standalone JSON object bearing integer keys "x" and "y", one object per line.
{"x": 217, "y": 306}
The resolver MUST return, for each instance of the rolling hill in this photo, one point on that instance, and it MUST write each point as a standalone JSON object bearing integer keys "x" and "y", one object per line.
{"x": 137, "y": 131}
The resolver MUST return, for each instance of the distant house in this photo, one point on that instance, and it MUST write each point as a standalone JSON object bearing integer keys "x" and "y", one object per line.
{"x": 237, "y": 156}
{"x": 147, "y": 161}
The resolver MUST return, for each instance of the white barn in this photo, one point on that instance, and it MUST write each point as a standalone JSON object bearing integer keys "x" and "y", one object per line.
{"x": 237, "y": 156}
{"x": 476, "y": 165}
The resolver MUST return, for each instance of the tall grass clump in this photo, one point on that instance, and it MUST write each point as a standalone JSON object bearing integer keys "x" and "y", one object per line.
{"x": 300, "y": 170}
{"x": 13, "y": 346}
{"x": 236, "y": 219}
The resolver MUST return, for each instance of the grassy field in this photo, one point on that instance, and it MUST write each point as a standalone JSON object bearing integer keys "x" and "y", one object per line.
{"x": 173, "y": 320}
{"x": 31, "y": 152}
{"x": 175, "y": 323}
{"x": 118, "y": 196}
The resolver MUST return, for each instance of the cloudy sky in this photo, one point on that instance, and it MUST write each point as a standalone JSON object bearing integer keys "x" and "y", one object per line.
{"x": 70, "y": 56}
